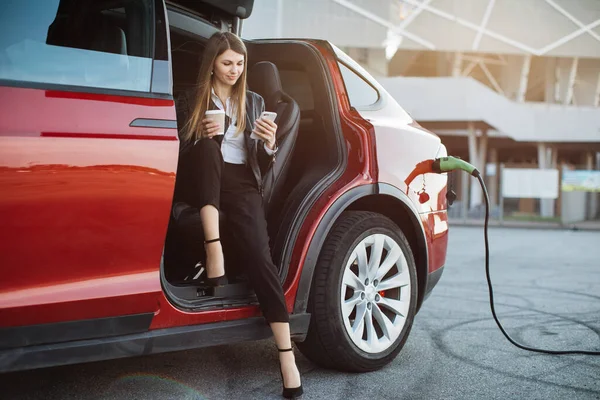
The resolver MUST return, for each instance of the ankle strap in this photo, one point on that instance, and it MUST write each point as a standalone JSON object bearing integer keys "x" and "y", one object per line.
{"x": 212, "y": 240}
{"x": 283, "y": 350}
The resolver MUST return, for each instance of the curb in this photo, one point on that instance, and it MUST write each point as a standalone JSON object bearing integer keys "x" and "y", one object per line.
{"x": 585, "y": 226}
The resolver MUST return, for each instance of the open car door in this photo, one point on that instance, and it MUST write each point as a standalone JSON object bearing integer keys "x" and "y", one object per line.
{"x": 88, "y": 153}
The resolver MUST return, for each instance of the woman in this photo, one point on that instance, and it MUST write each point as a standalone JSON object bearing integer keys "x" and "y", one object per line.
{"x": 223, "y": 173}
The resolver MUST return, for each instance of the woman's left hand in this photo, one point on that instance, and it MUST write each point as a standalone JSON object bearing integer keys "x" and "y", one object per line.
{"x": 266, "y": 130}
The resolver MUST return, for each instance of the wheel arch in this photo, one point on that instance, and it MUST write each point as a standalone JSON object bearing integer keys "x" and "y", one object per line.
{"x": 381, "y": 198}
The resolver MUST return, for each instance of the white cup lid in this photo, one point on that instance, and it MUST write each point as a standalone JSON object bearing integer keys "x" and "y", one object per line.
{"x": 215, "y": 112}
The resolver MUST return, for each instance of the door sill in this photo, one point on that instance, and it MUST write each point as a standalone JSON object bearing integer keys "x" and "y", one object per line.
{"x": 150, "y": 342}
{"x": 197, "y": 298}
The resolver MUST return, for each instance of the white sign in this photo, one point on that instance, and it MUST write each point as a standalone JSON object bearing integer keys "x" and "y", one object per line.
{"x": 530, "y": 183}
{"x": 581, "y": 181}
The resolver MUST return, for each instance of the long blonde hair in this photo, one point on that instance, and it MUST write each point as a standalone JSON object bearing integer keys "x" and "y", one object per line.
{"x": 217, "y": 45}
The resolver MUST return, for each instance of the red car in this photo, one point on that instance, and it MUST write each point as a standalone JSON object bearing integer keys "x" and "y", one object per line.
{"x": 88, "y": 152}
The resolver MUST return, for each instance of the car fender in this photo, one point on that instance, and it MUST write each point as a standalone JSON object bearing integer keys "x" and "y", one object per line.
{"x": 343, "y": 203}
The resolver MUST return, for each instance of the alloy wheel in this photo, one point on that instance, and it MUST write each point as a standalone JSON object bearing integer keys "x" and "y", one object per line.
{"x": 375, "y": 293}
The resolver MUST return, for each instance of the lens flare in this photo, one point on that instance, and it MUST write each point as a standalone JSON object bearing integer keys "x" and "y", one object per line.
{"x": 139, "y": 385}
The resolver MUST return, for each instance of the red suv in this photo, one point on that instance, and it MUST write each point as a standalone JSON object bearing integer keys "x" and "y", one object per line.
{"x": 91, "y": 93}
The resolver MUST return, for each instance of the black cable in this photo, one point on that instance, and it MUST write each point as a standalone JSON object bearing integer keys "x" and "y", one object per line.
{"x": 489, "y": 282}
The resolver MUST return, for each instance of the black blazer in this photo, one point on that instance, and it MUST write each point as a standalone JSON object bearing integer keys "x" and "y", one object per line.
{"x": 257, "y": 158}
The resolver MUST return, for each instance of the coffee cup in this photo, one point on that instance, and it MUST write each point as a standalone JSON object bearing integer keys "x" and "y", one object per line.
{"x": 217, "y": 116}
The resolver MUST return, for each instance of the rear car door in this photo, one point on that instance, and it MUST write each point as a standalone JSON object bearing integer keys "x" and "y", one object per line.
{"x": 88, "y": 153}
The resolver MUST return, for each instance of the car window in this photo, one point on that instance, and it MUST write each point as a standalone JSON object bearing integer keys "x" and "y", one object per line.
{"x": 360, "y": 93}
{"x": 101, "y": 44}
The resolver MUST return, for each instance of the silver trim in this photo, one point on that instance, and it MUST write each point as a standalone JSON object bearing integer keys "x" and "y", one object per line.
{"x": 154, "y": 123}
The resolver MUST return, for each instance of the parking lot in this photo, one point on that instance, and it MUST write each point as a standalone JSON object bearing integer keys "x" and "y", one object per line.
{"x": 547, "y": 285}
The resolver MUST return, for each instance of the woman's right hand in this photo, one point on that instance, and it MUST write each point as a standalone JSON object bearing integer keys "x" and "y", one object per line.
{"x": 209, "y": 128}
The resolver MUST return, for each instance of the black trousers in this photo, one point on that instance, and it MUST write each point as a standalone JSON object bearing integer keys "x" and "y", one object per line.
{"x": 233, "y": 190}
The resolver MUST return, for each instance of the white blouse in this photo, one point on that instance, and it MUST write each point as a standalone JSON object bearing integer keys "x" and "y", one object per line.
{"x": 232, "y": 146}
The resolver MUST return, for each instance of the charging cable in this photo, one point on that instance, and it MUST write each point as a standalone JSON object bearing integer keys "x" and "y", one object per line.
{"x": 447, "y": 164}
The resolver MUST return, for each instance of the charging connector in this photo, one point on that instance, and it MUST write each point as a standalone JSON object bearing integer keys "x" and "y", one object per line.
{"x": 448, "y": 164}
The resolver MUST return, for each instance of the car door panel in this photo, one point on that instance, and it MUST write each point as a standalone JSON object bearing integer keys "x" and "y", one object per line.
{"x": 88, "y": 154}
{"x": 85, "y": 204}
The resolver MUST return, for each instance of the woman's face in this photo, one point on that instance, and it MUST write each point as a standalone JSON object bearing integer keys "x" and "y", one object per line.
{"x": 228, "y": 67}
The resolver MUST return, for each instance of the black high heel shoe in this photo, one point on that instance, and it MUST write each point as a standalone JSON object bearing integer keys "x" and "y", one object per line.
{"x": 290, "y": 393}
{"x": 218, "y": 280}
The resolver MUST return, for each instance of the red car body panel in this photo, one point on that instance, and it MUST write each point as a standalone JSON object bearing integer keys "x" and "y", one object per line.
{"x": 85, "y": 204}
{"x": 436, "y": 229}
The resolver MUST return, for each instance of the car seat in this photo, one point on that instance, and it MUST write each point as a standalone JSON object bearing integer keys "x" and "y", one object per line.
{"x": 110, "y": 39}
{"x": 263, "y": 78}
{"x": 81, "y": 26}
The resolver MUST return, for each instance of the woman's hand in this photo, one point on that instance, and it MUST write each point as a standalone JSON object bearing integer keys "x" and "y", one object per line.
{"x": 266, "y": 130}
{"x": 209, "y": 128}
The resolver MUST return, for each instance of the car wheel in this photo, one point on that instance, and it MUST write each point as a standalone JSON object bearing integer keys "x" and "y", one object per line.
{"x": 363, "y": 296}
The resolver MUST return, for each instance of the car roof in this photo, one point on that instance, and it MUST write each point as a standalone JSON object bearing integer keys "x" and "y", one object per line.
{"x": 234, "y": 8}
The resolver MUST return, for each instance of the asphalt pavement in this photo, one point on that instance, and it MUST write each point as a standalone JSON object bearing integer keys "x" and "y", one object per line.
{"x": 547, "y": 287}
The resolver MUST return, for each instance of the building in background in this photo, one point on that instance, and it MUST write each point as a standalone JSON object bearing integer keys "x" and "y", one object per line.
{"x": 502, "y": 82}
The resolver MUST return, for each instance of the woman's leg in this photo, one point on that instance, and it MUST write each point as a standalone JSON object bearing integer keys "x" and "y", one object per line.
{"x": 291, "y": 375}
{"x": 245, "y": 217}
{"x": 242, "y": 204}
{"x": 215, "y": 263}
{"x": 206, "y": 166}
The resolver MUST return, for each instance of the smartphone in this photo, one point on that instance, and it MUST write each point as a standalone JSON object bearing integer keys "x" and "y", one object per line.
{"x": 266, "y": 115}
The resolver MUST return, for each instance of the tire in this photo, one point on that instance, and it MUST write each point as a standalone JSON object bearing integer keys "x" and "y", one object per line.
{"x": 329, "y": 342}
